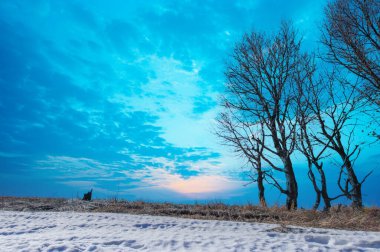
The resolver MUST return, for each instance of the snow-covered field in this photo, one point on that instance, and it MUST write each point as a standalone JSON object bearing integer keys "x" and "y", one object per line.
{"x": 72, "y": 231}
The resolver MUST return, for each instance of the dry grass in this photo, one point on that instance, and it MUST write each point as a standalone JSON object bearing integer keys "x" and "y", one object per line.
{"x": 367, "y": 219}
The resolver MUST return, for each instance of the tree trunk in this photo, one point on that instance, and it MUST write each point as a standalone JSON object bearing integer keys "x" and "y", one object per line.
{"x": 325, "y": 195}
{"x": 319, "y": 192}
{"x": 316, "y": 188}
{"x": 315, "y": 185}
{"x": 357, "y": 201}
{"x": 291, "y": 185}
{"x": 317, "y": 200}
{"x": 260, "y": 185}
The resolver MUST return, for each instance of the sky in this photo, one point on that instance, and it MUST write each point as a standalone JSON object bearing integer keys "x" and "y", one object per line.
{"x": 122, "y": 96}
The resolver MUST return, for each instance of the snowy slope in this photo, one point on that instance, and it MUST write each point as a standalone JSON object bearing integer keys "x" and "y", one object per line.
{"x": 72, "y": 231}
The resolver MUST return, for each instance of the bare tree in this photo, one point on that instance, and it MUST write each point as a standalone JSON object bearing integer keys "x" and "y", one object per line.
{"x": 313, "y": 151}
{"x": 335, "y": 109}
{"x": 261, "y": 86}
{"x": 239, "y": 134}
{"x": 351, "y": 33}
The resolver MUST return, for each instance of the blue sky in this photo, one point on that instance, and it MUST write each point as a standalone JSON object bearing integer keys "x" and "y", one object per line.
{"x": 121, "y": 97}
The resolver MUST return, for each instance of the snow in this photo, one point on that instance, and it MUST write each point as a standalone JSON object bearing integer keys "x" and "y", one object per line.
{"x": 73, "y": 231}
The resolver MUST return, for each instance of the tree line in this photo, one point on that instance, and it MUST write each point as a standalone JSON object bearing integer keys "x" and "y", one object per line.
{"x": 281, "y": 100}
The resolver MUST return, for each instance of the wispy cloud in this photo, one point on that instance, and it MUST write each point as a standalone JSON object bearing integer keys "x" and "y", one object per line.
{"x": 78, "y": 167}
{"x": 157, "y": 173}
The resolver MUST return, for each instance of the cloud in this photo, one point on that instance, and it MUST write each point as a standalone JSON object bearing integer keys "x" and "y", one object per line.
{"x": 174, "y": 94}
{"x": 202, "y": 184}
{"x": 193, "y": 179}
{"x": 198, "y": 185}
{"x": 79, "y": 183}
{"x": 77, "y": 167}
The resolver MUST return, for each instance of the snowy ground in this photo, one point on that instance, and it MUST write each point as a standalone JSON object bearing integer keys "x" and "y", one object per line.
{"x": 72, "y": 231}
